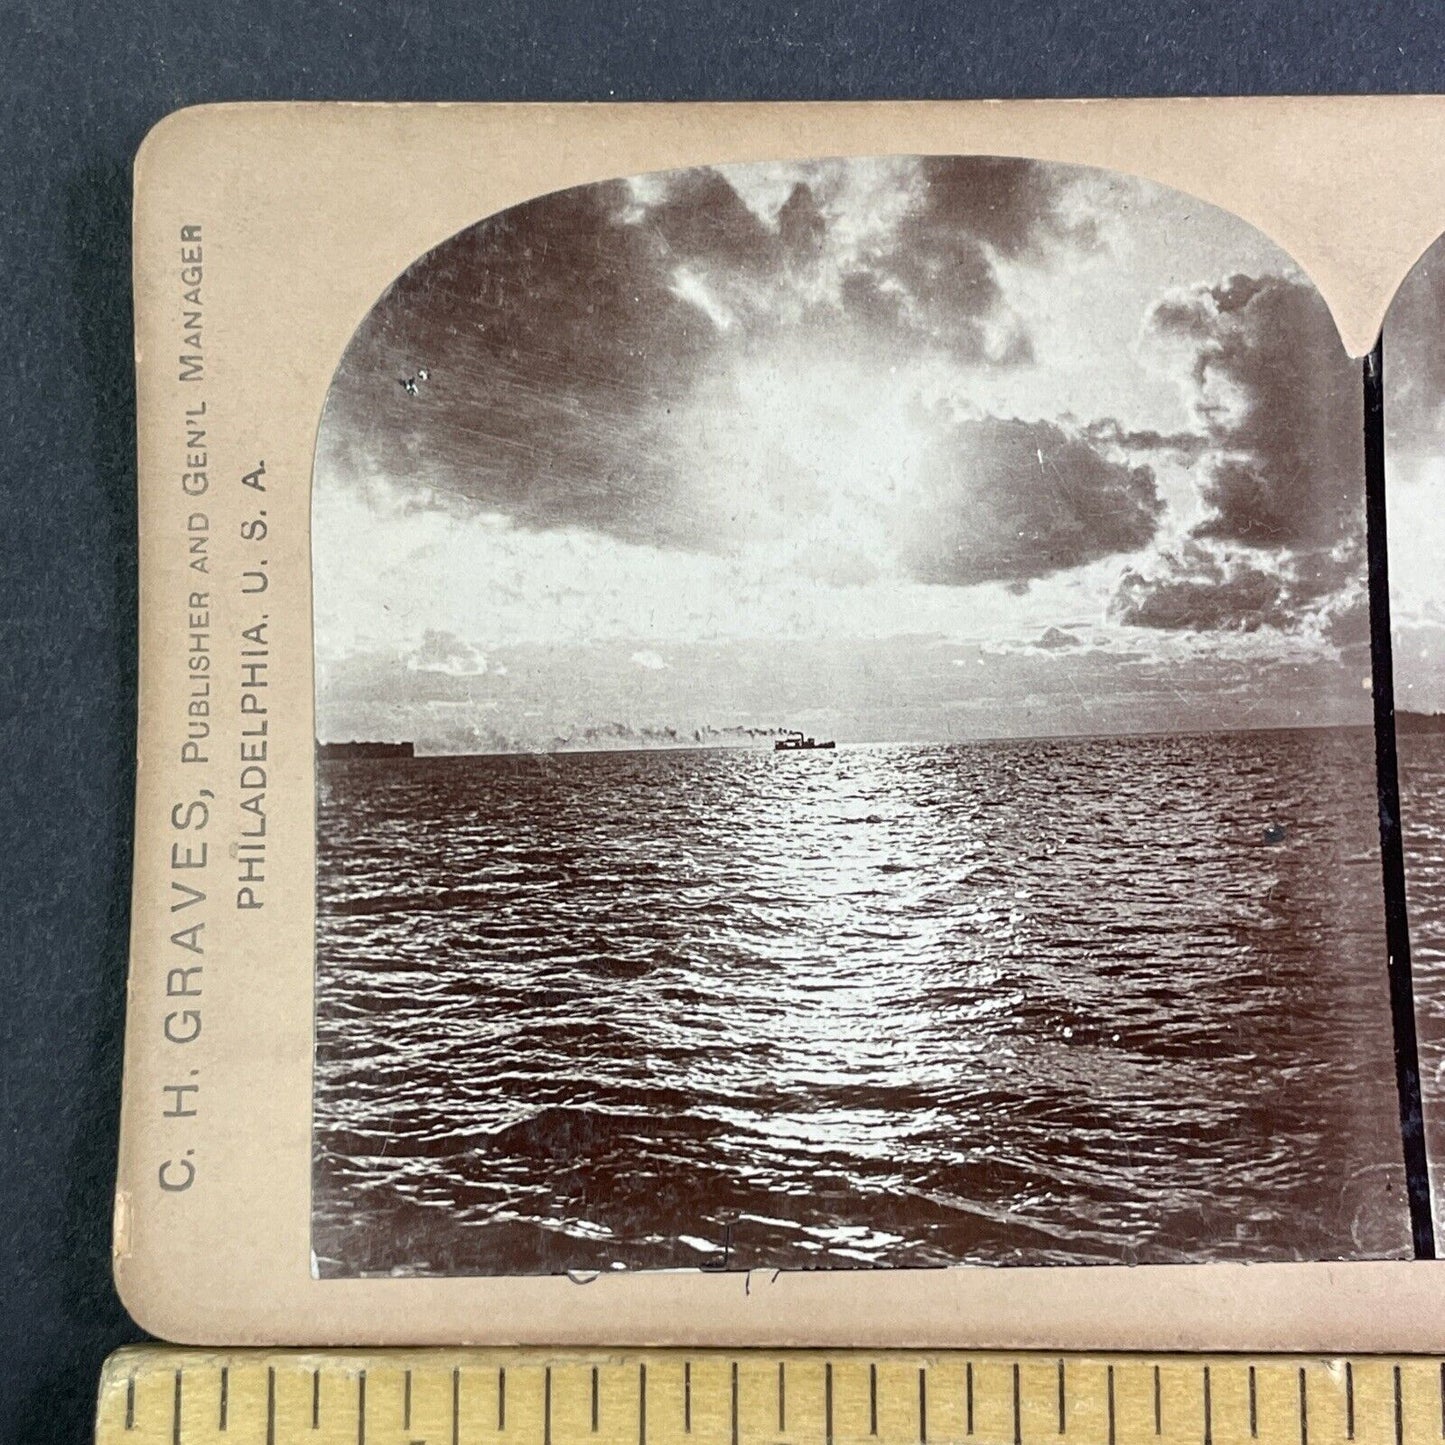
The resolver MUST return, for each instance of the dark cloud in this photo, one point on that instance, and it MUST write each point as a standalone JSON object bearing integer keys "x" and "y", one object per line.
{"x": 1055, "y": 639}
{"x": 1204, "y": 588}
{"x": 1011, "y": 501}
{"x": 560, "y": 339}
{"x": 938, "y": 266}
{"x": 1012, "y": 206}
{"x": 1052, "y": 641}
{"x": 701, "y": 220}
{"x": 1138, "y": 441}
{"x": 1192, "y": 590}
{"x": 932, "y": 280}
{"x": 1279, "y": 468}
{"x": 543, "y": 331}
{"x": 1281, "y": 406}
{"x": 801, "y": 224}
{"x": 941, "y": 261}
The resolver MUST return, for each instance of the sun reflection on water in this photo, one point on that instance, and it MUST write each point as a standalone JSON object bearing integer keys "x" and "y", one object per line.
{"x": 890, "y": 1005}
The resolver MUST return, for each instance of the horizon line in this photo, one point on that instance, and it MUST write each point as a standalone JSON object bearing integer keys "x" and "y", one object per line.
{"x": 696, "y": 747}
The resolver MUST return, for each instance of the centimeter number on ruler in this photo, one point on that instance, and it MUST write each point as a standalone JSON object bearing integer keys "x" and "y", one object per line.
{"x": 158, "y": 1395}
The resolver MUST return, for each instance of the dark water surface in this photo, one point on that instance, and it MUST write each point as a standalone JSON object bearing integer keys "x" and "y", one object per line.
{"x": 1024, "y": 1002}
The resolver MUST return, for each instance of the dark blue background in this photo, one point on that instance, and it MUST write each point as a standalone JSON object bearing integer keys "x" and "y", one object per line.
{"x": 81, "y": 85}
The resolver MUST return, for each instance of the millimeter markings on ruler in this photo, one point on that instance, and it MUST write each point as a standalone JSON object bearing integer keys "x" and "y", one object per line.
{"x": 159, "y": 1395}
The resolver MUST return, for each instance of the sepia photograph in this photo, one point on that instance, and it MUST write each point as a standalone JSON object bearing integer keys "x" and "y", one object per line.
{"x": 1415, "y": 497}
{"x": 843, "y": 725}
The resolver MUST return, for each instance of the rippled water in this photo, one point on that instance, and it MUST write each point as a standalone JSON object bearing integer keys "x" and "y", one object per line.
{"x": 1422, "y": 809}
{"x": 1032, "y": 1001}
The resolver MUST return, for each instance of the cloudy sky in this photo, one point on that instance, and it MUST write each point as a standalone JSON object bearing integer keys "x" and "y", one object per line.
{"x": 1415, "y": 476}
{"x": 900, "y": 448}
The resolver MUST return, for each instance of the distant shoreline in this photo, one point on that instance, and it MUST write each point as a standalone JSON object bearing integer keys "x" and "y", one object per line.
{"x": 1419, "y": 722}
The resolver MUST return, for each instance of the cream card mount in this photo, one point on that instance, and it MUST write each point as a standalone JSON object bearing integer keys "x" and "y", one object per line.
{"x": 756, "y": 727}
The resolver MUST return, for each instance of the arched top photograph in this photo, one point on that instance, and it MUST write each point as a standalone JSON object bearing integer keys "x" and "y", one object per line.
{"x": 843, "y": 728}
